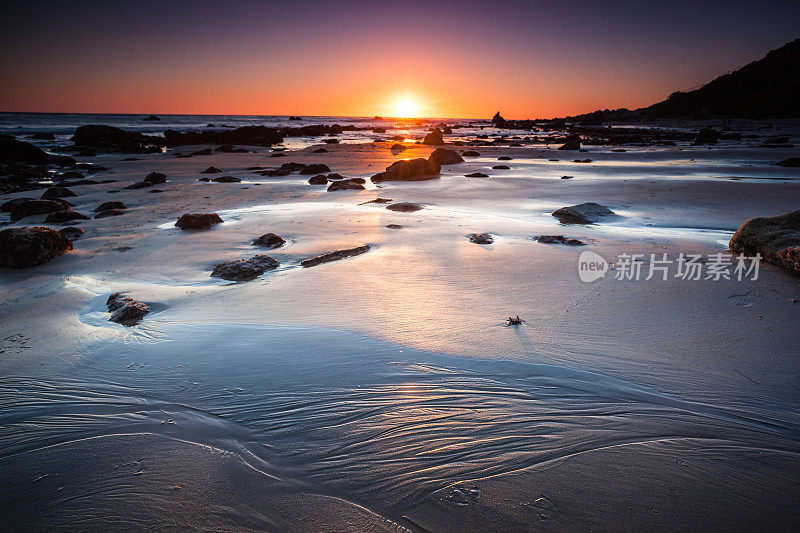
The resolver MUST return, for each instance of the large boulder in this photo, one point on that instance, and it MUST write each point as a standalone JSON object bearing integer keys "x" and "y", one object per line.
{"x": 198, "y": 221}
{"x": 443, "y": 156}
{"x": 31, "y": 246}
{"x": 408, "y": 170}
{"x": 246, "y": 135}
{"x": 434, "y": 138}
{"x": 14, "y": 151}
{"x": 28, "y": 208}
{"x": 110, "y": 139}
{"x": 585, "y": 213}
{"x": 125, "y": 310}
{"x": 244, "y": 269}
{"x": 776, "y": 238}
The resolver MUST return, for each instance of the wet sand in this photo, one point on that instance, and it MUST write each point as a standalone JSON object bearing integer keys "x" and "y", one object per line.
{"x": 384, "y": 390}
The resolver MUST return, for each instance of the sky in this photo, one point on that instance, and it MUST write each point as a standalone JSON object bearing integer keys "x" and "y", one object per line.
{"x": 445, "y": 59}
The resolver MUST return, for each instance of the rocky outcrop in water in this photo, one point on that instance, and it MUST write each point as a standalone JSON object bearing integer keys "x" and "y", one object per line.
{"x": 334, "y": 256}
{"x": 14, "y": 151}
{"x": 585, "y": 213}
{"x": 434, "y": 138}
{"x": 104, "y": 138}
{"x": 245, "y": 135}
{"x": 31, "y": 246}
{"x": 573, "y": 142}
{"x": 59, "y": 217}
{"x": 245, "y": 269}
{"x": 125, "y": 310}
{"x": 198, "y": 221}
{"x": 776, "y": 238}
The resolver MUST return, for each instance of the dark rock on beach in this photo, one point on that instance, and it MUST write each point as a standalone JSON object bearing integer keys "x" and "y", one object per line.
{"x": 29, "y": 207}
{"x": 443, "y": 156}
{"x": 481, "y": 238}
{"x": 334, "y": 256}
{"x": 319, "y": 151}
{"x": 246, "y": 136}
{"x": 319, "y": 179}
{"x": 245, "y": 269}
{"x": 227, "y": 179}
{"x": 573, "y": 142}
{"x": 156, "y": 178}
{"x": 585, "y": 213}
{"x": 408, "y": 170}
{"x": 125, "y": 310}
{"x": 204, "y": 151}
{"x": 476, "y": 175}
{"x": 776, "y": 238}
{"x": 559, "y": 239}
{"x": 434, "y": 138}
{"x": 789, "y": 162}
{"x": 59, "y": 217}
{"x": 139, "y": 185}
{"x": 12, "y": 150}
{"x": 109, "y": 213}
{"x": 211, "y": 170}
{"x": 343, "y": 185}
{"x": 110, "y": 139}
{"x": 470, "y": 153}
{"x": 31, "y": 246}
{"x": 404, "y": 207}
{"x": 198, "y": 221}
{"x": 57, "y": 192}
{"x": 109, "y": 205}
{"x": 71, "y": 232}
{"x": 317, "y": 168}
{"x": 270, "y": 240}
{"x": 501, "y": 167}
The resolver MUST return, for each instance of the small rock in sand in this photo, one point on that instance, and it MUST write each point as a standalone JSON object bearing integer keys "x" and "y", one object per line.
{"x": 198, "y": 221}
{"x": 27, "y": 207}
{"x": 317, "y": 168}
{"x": 481, "y": 238}
{"x": 334, "y": 256}
{"x": 394, "y": 226}
{"x": 125, "y": 310}
{"x": 477, "y": 175}
{"x": 204, "y": 179}
{"x": 319, "y": 179}
{"x": 71, "y": 232}
{"x": 504, "y": 158}
{"x": 227, "y": 179}
{"x": 110, "y": 205}
{"x": 204, "y": 151}
{"x": 139, "y": 185}
{"x": 57, "y": 192}
{"x": 501, "y": 167}
{"x": 270, "y": 240}
{"x": 155, "y": 178}
{"x": 585, "y": 213}
{"x": 31, "y": 246}
{"x": 776, "y": 238}
{"x": 244, "y": 269}
{"x": 110, "y": 213}
{"x": 60, "y": 217}
{"x": 211, "y": 170}
{"x": 566, "y": 177}
{"x": 408, "y": 170}
{"x": 404, "y": 207}
{"x": 470, "y": 153}
{"x": 335, "y": 176}
{"x": 344, "y": 185}
{"x": 319, "y": 151}
{"x": 559, "y": 239}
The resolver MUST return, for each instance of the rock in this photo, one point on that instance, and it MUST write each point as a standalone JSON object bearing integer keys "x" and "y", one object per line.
{"x": 276, "y": 172}
{"x": 225, "y": 148}
{"x": 776, "y": 238}
{"x": 789, "y": 162}
{"x": 42, "y": 136}
{"x": 498, "y": 121}
{"x": 477, "y": 175}
{"x": 344, "y": 185}
{"x": 71, "y": 232}
{"x": 394, "y": 226}
{"x": 585, "y": 213}
{"x": 211, "y": 170}
{"x": 294, "y": 167}
{"x": 295, "y": 118}
{"x": 501, "y": 167}
{"x": 317, "y": 168}
{"x": 408, "y": 170}
{"x": 470, "y": 153}
{"x": 60, "y": 217}
{"x": 434, "y": 138}
{"x": 110, "y": 205}
{"x": 57, "y": 192}
{"x": 573, "y": 142}
{"x": 139, "y": 185}
{"x": 319, "y": 179}
{"x": 404, "y": 207}
{"x": 377, "y": 201}
{"x": 319, "y": 151}
{"x": 28, "y": 208}
{"x": 706, "y": 136}
{"x": 198, "y": 221}
{"x": 443, "y": 156}
{"x": 12, "y": 150}
{"x": 227, "y": 179}
{"x": 481, "y": 238}
{"x": 334, "y": 176}
{"x": 204, "y": 151}
{"x": 397, "y": 148}
{"x": 31, "y": 246}
{"x": 559, "y": 239}
{"x": 566, "y": 177}
{"x": 330, "y": 141}
{"x": 204, "y": 179}
{"x": 110, "y": 213}
{"x": 269, "y": 240}
{"x": 334, "y": 256}
{"x": 156, "y": 178}
{"x": 151, "y": 118}
{"x": 244, "y": 136}
{"x": 581, "y": 160}
{"x": 504, "y": 158}
{"x": 244, "y": 269}
{"x": 125, "y": 310}
{"x": 111, "y": 139}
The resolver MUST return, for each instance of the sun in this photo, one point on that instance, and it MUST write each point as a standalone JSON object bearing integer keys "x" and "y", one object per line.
{"x": 406, "y": 108}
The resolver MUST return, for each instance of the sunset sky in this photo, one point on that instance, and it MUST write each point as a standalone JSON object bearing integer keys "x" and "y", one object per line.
{"x": 442, "y": 59}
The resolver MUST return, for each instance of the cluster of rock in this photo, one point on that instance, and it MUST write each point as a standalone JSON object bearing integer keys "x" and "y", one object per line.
{"x": 245, "y": 135}
{"x": 102, "y": 138}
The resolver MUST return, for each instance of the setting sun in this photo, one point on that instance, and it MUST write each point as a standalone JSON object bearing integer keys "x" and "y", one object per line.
{"x": 406, "y": 108}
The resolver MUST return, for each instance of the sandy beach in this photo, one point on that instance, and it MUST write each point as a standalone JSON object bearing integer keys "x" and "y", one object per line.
{"x": 386, "y": 391}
